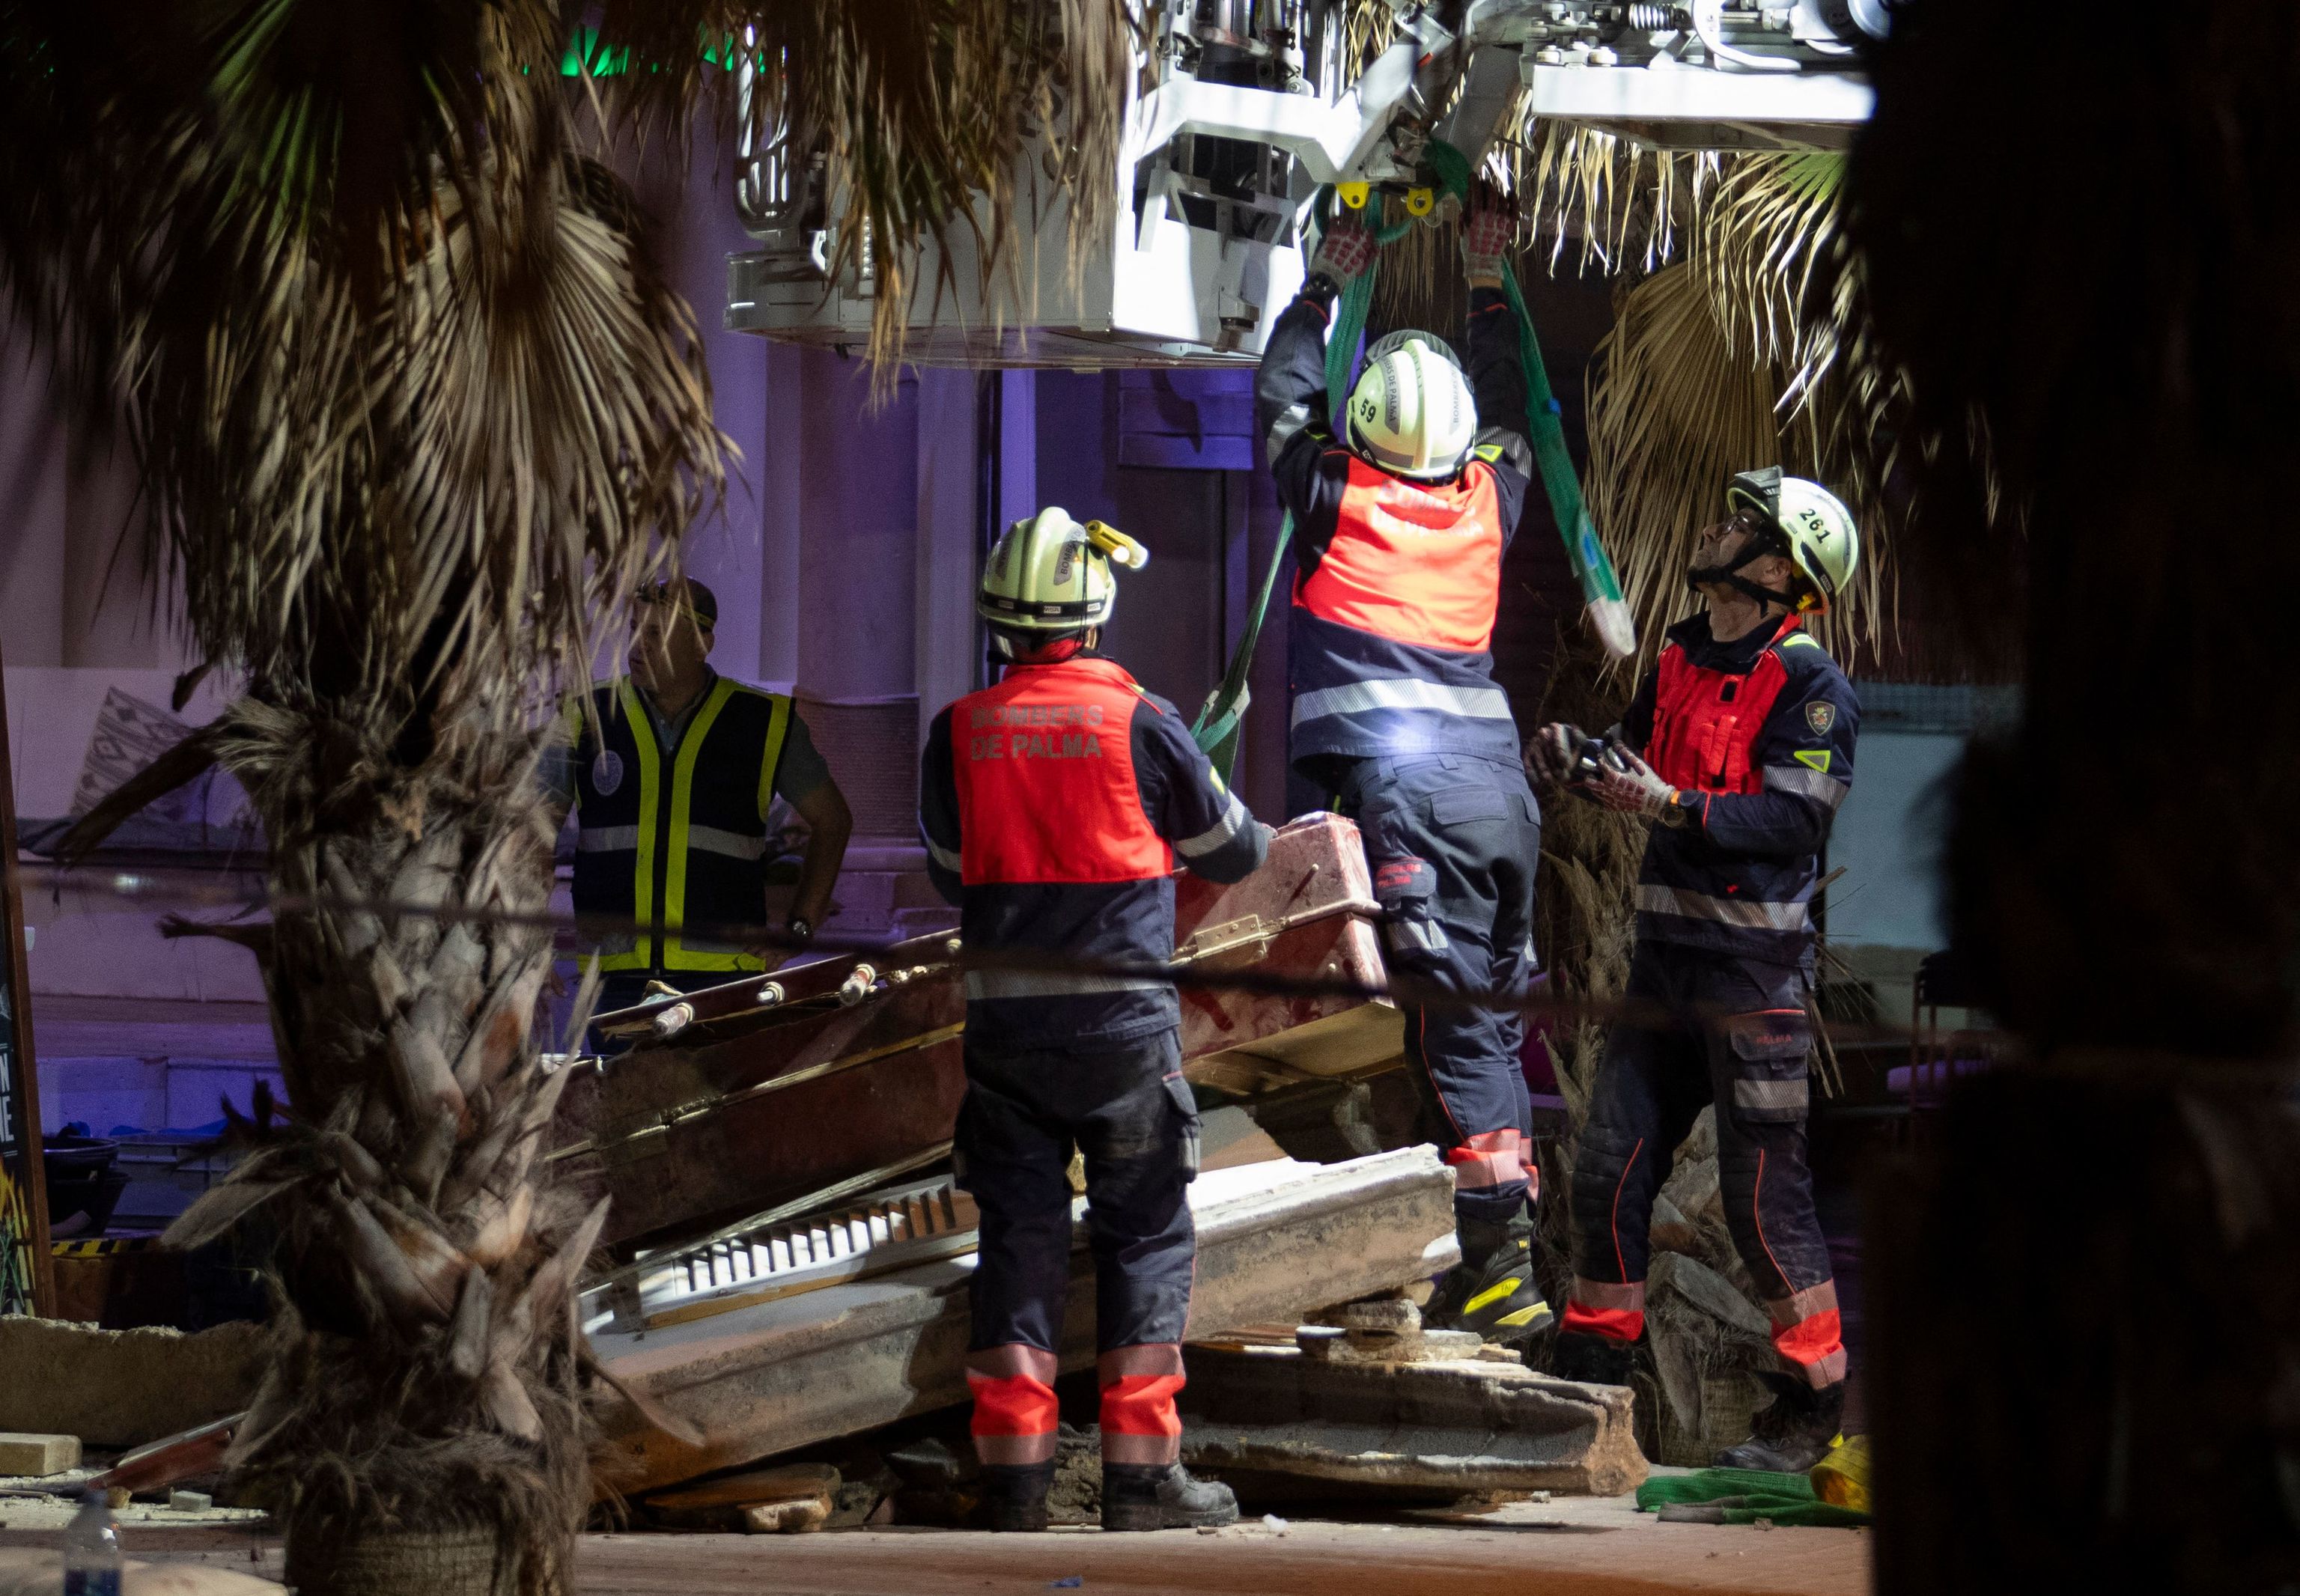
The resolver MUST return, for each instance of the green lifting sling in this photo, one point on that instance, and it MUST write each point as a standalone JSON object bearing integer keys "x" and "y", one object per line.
{"x": 1220, "y": 723}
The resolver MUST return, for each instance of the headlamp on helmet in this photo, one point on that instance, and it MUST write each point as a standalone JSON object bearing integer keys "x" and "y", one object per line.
{"x": 1050, "y": 574}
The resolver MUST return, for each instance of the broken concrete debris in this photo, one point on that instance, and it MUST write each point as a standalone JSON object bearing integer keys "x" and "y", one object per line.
{"x": 1276, "y": 1240}
{"x": 791, "y": 1500}
{"x": 122, "y": 1388}
{"x": 1366, "y": 1400}
{"x": 36, "y": 1456}
{"x": 1436, "y": 1423}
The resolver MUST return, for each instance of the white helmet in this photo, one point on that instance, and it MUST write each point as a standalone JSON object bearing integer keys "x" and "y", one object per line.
{"x": 1411, "y": 412}
{"x": 1823, "y": 543}
{"x": 1050, "y": 574}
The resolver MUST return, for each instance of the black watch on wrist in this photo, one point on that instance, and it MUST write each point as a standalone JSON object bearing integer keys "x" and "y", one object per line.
{"x": 800, "y": 928}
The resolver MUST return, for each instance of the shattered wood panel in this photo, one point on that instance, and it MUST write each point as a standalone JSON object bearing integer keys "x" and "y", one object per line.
{"x": 1275, "y": 1242}
{"x": 751, "y": 1108}
{"x": 1308, "y": 912}
{"x": 685, "y": 1138}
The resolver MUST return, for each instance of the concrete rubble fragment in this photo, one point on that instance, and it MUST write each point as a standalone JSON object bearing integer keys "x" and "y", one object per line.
{"x": 791, "y": 1500}
{"x": 1276, "y": 1240}
{"x": 37, "y": 1456}
{"x": 122, "y": 1388}
{"x": 1426, "y": 1419}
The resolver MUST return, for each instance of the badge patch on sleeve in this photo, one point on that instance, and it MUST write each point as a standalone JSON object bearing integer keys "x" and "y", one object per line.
{"x": 607, "y": 772}
{"x": 1397, "y": 879}
{"x": 1820, "y": 715}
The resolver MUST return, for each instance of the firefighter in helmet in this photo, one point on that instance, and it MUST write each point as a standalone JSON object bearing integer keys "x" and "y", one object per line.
{"x": 1055, "y": 807}
{"x": 1739, "y": 747}
{"x": 1402, "y": 514}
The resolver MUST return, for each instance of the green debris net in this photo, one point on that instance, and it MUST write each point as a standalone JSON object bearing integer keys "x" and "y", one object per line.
{"x": 1748, "y": 1496}
{"x": 1221, "y": 724}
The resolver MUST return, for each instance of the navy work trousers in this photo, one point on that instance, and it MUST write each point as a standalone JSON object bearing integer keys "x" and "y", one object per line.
{"x": 1454, "y": 842}
{"x": 1131, "y": 1114}
{"x": 1734, "y": 1032}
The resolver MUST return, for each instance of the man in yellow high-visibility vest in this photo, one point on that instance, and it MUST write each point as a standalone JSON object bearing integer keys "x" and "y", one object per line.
{"x": 672, "y": 775}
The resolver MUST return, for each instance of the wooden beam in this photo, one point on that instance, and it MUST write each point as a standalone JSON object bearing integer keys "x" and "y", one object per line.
{"x": 23, "y": 1162}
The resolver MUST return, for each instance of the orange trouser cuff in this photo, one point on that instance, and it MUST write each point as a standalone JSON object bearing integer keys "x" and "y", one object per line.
{"x": 1612, "y": 1323}
{"x": 1139, "y": 1423}
{"x": 1814, "y": 1347}
{"x": 1014, "y": 1418}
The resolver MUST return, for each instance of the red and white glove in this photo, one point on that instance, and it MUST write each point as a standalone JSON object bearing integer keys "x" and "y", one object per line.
{"x": 1626, "y": 784}
{"x": 1345, "y": 250}
{"x": 1487, "y": 231}
{"x": 1552, "y": 751}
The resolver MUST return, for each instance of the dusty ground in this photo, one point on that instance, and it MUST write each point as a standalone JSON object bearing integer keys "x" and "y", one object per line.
{"x": 1571, "y": 1547}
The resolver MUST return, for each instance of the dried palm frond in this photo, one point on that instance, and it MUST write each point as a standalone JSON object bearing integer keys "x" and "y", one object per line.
{"x": 1673, "y": 412}
{"x": 413, "y": 412}
{"x": 934, "y": 118}
{"x": 1629, "y": 204}
{"x": 1368, "y": 28}
{"x": 1763, "y": 232}
{"x": 457, "y": 347}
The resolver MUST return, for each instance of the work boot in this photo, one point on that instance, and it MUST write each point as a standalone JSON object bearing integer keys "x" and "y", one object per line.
{"x": 1151, "y": 1496}
{"x": 1014, "y": 1494}
{"x": 1795, "y": 1432}
{"x": 1593, "y": 1360}
{"x": 1492, "y": 1290}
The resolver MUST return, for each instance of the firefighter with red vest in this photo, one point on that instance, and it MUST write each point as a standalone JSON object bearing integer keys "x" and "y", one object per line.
{"x": 1739, "y": 746}
{"x": 1055, "y": 807}
{"x": 1400, "y": 519}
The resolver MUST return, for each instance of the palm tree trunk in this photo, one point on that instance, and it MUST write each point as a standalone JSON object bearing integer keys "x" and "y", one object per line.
{"x": 431, "y": 1369}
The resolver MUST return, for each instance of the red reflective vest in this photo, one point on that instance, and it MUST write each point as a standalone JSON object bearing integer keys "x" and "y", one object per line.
{"x": 1416, "y": 562}
{"x": 1706, "y": 722}
{"x": 1047, "y": 790}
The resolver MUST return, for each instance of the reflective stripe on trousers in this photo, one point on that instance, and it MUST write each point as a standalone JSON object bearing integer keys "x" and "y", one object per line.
{"x": 1617, "y": 1312}
{"x": 1809, "y": 1334}
{"x": 1015, "y": 1414}
{"x": 1139, "y": 1423}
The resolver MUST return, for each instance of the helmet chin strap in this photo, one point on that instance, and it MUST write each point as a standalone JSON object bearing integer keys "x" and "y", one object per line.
{"x": 1698, "y": 576}
{"x": 1017, "y": 650}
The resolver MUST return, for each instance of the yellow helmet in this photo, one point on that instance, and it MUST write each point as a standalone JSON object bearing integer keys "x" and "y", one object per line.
{"x": 1822, "y": 540}
{"x": 1411, "y": 412}
{"x": 1051, "y": 573}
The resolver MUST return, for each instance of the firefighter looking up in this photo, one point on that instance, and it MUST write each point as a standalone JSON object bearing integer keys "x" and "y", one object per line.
{"x": 671, "y": 776}
{"x": 1400, "y": 525}
{"x": 1055, "y": 808}
{"x": 1739, "y": 745}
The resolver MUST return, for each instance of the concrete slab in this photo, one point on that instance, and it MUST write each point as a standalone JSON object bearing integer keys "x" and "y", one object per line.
{"x": 37, "y": 1456}
{"x": 122, "y": 1388}
{"x": 1276, "y": 1240}
{"x": 1463, "y": 1425}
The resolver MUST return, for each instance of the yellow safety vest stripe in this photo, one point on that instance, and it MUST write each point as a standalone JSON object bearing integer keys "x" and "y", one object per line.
{"x": 672, "y": 909}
